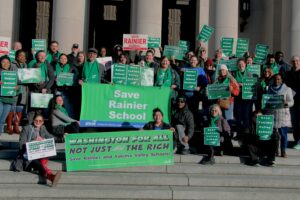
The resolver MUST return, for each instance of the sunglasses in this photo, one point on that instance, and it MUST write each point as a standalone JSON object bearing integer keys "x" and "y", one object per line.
{"x": 38, "y": 120}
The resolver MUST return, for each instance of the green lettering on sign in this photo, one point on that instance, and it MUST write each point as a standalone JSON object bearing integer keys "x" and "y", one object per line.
{"x": 39, "y": 100}
{"x": 30, "y": 75}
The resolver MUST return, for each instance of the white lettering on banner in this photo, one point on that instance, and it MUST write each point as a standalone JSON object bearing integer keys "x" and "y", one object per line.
{"x": 125, "y": 95}
{"x": 124, "y": 116}
{"x": 126, "y": 105}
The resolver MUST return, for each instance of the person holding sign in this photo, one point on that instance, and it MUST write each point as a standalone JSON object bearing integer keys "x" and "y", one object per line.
{"x": 282, "y": 116}
{"x": 44, "y": 87}
{"x": 15, "y": 115}
{"x": 93, "y": 72}
{"x": 224, "y": 77}
{"x": 216, "y": 138}
{"x": 66, "y": 76}
{"x": 183, "y": 121}
{"x": 265, "y": 81}
{"x": 165, "y": 76}
{"x": 37, "y": 132}
{"x": 61, "y": 123}
{"x": 242, "y": 106}
{"x": 271, "y": 62}
{"x": 149, "y": 60}
{"x": 262, "y": 140}
{"x": 6, "y": 101}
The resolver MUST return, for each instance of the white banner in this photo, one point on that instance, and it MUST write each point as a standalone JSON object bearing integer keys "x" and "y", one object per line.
{"x": 41, "y": 149}
{"x": 135, "y": 42}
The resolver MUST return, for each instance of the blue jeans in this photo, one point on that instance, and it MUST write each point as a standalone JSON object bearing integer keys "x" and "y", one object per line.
{"x": 283, "y": 131}
{"x": 4, "y": 110}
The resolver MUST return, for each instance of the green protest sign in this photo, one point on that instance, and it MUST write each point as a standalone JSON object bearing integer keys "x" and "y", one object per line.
{"x": 254, "y": 70}
{"x": 190, "y": 79}
{"x": 231, "y": 64}
{"x": 264, "y": 126}
{"x": 40, "y": 149}
{"x": 39, "y": 44}
{"x": 12, "y": 55}
{"x": 249, "y": 89}
{"x": 205, "y": 33}
{"x": 9, "y": 81}
{"x": 270, "y": 101}
{"x": 65, "y": 78}
{"x": 170, "y": 51}
{"x": 153, "y": 42}
{"x": 184, "y": 45}
{"x": 92, "y": 151}
{"x": 261, "y": 52}
{"x": 121, "y": 106}
{"x": 30, "y": 75}
{"x": 218, "y": 91}
{"x": 242, "y": 47}
{"x": 212, "y": 136}
{"x": 39, "y": 100}
{"x": 227, "y": 46}
{"x": 133, "y": 75}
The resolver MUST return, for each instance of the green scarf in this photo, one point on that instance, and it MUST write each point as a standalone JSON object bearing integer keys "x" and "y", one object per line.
{"x": 59, "y": 69}
{"x": 90, "y": 72}
{"x": 213, "y": 121}
{"x": 239, "y": 76}
{"x": 50, "y": 55}
{"x": 223, "y": 81}
{"x": 62, "y": 109}
{"x": 164, "y": 78}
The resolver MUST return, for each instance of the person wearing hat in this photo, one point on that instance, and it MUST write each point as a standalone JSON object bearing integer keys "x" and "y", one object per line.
{"x": 224, "y": 77}
{"x": 183, "y": 122}
{"x": 73, "y": 54}
{"x": 93, "y": 72}
{"x": 6, "y": 102}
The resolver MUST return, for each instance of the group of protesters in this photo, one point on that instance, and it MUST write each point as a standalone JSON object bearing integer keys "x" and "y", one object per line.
{"x": 191, "y": 110}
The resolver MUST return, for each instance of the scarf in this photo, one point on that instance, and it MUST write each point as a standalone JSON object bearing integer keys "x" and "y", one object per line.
{"x": 213, "y": 121}
{"x": 62, "y": 109}
{"x": 90, "y": 72}
{"x": 223, "y": 81}
{"x": 239, "y": 76}
{"x": 59, "y": 68}
{"x": 276, "y": 89}
{"x": 164, "y": 78}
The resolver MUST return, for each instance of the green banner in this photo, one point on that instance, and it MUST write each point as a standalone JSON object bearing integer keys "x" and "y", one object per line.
{"x": 133, "y": 75}
{"x": 39, "y": 100}
{"x": 39, "y": 44}
{"x": 12, "y": 55}
{"x": 218, "y": 91}
{"x": 254, "y": 70}
{"x": 122, "y": 106}
{"x": 264, "y": 126}
{"x": 92, "y": 151}
{"x": 153, "y": 42}
{"x": 205, "y": 33}
{"x": 261, "y": 52}
{"x": 9, "y": 82}
{"x": 242, "y": 47}
{"x": 190, "y": 79}
{"x": 270, "y": 101}
{"x": 227, "y": 46}
{"x": 231, "y": 64}
{"x": 249, "y": 89}
{"x": 212, "y": 136}
{"x": 184, "y": 45}
{"x": 30, "y": 75}
{"x": 170, "y": 51}
{"x": 65, "y": 78}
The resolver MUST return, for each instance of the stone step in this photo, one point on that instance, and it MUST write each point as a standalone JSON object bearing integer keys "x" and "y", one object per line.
{"x": 158, "y": 179}
{"x": 187, "y": 168}
{"x": 144, "y": 192}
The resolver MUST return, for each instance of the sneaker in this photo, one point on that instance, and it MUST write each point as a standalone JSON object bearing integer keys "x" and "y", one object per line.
{"x": 297, "y": 146}
{"x": 270, "y": 164}
{"x": 284, "y": 155}
{"x": 207, "y": 161}
{"x": 253, "y": 163}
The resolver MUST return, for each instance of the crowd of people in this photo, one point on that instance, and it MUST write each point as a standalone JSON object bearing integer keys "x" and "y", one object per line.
{"x": 191, "y": 110}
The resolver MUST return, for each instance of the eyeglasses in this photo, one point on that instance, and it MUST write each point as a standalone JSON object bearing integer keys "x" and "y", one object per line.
{"x": 181, "y": 101}
{"x": 38, "y": 120}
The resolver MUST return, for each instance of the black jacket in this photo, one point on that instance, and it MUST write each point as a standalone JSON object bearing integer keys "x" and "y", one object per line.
{"x": 151, "y": 126}
{"x": 184, "y": 117}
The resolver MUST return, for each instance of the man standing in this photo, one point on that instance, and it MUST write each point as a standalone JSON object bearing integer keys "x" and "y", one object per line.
{"x": 53, "y": 53}
{"x": 93, "y": 72}
{"x": 72, "y": 56}
{"x": 183, "y": 121}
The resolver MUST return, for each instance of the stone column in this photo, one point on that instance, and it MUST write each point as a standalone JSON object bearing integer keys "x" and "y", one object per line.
{"x": 226, "y": 21}
{"x": 146, "y": 17}
{"x": 295, "y": 28}
{"x": 202, "y": 16}
{"x": 7, "y": 16}
{"x": 69, "y": 25}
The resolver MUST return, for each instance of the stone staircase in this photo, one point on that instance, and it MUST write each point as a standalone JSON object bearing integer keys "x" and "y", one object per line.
{"x": 228, "y": 179}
